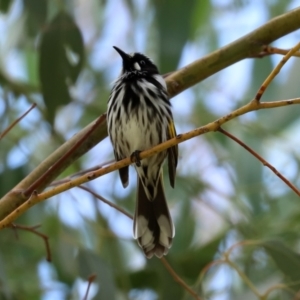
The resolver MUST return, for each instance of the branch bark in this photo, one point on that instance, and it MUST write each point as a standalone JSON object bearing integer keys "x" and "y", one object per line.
{"x": 249, "y": 46}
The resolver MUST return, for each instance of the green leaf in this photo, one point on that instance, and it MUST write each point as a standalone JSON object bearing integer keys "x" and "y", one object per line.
{"x": 286, "y": 260}
{"x": 5, "y": 5}
{"x": 36, "y": 15}
{"x": 174, "y": 21}
{"x": 60, "y": 41}
{"x": 184, "y": 235}
{"x": 10, "y": 178}
{"x": 200, "y": 16}
{"x": 63, "y": 256}
{"x": 146, "y": 278}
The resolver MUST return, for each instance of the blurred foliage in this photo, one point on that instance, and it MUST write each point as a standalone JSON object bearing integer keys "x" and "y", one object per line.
{"x": 223, "y": 195}
{"x": 61, "y": 37}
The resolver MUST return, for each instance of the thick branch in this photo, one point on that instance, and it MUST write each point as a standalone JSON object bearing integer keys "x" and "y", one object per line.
{"x": 15, "y": 198}
{"x": 248, "y": 46}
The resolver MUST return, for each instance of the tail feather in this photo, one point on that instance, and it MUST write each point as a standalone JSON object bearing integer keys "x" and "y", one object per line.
{"x": 153, "y": 226}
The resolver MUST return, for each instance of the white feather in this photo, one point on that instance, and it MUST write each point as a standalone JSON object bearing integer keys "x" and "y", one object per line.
{"x": 137, "y": 66}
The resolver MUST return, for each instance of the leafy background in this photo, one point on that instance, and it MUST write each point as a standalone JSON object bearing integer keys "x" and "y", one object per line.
{"x": 223, "y": 195}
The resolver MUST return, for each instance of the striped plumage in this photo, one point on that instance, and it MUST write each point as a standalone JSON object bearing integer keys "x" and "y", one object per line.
{"x": 139, "y": 117}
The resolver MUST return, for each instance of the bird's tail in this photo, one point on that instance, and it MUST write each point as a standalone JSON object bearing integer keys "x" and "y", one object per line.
{"x": 153, "y": 226}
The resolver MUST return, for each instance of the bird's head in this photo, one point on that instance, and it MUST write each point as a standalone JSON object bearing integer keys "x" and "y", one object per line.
{"x": 137, "y": 63}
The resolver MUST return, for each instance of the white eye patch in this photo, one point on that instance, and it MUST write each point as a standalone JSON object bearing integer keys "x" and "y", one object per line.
{"x": 137, "y": 66}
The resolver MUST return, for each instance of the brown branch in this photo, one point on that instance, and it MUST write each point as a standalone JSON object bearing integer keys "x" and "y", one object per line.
{"x": 275, "y": 71}
{"x": 269, "y": 50}
{"x": 280, "y": 286}
{"x": 248, "y": 46}
{"x": 16, "y": 121}
{"x": 34, "y": 231}
{"x": 244, "y": 277}
{"x": 90, "y": 281}
{"x": 82, "y": 172}
{"x": 121, "y": 210}
{"x": 15, "y": 198}
{"x": 178, "y": 279}
{"x": 263, "y": 161}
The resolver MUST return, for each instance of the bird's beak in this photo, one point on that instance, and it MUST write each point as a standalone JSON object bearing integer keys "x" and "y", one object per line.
{"x": 124, "y": 55}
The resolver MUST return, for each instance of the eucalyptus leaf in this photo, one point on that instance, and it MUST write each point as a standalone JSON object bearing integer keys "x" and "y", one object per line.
{"x": 61, "y": 59}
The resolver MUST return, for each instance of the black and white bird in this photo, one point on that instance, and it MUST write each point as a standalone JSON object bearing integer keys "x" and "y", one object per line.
{"x": 139, "y": 117}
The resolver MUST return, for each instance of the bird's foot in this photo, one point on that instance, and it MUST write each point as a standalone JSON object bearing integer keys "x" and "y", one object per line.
{"x": 135, "y": 157}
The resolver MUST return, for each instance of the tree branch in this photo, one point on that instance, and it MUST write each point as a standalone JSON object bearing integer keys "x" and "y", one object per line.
{"x": 34, "y": 231}
{"x": 276, "y": 71}
{"x": 4, "y": 133}
{"x": 111, "y": 204}
{"x": 210, "y": 127}
{"x": 262, "y": 160}
{"x": 178, "y": 279}
{"x": 248, "y": 46}
{"x": 90, "y": 281}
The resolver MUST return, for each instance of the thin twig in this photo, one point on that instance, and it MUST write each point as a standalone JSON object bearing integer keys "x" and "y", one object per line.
{"x": 82, "y": 172}
{"x": 226, "y": 260}
{"x": 90, "y": 281}
{"x": 16, "y": 121}
{"x": 178, "y": 279}
{"x": 242, "y": 244}
{"x": 34, "y": 231}
{"x": 275, "y": 71}
{"x": 244, "y": 277}
{"x": 206, "y": 268}
{"x": 269, "y": 50}
{"x": 106, "y": 201}
{"x": 263, "y": 161}
{"x": 279, "y": 286}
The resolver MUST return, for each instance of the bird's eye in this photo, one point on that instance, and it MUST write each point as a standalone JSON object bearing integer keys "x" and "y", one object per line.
{"x": 142, "y": 63}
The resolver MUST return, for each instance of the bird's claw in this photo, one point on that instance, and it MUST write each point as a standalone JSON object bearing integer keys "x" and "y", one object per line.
{"x": 135, "y": 157}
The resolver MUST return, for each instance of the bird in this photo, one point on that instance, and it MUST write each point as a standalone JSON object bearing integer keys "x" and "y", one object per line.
{"x": 139, "y": 117}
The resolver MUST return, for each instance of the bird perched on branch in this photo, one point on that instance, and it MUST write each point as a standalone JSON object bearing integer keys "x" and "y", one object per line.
{"x": 139, "y": 117}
